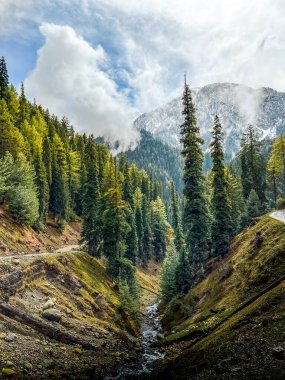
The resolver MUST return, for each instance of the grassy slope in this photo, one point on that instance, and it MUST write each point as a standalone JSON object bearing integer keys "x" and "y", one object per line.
{"x": 217, "y": 316}
{"x": 91, "y": 313}
{"x": 18, "y": 238}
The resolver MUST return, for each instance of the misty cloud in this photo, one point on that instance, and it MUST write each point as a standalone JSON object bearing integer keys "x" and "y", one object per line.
{"x": 70, "y": 79}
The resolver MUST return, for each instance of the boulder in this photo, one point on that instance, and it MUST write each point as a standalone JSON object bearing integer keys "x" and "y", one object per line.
{"x": 52, "y": 315}
{"x": 278, "y": 352}
{"x": 48, "y": 305}
{"x": 10, "y": 337}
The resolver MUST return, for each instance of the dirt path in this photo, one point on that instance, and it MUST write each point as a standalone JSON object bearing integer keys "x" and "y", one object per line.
{"x": 64, "y": 249}
{"x": 278, "y": 215}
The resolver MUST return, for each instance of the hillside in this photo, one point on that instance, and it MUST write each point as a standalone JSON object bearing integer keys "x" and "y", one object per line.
{"x": 236, "y": 105}
{"x": 60, "y": 314}
{"x": 18, "y": 238}
{"x": 159, "y": 160}
{"x": 232, "y": 322}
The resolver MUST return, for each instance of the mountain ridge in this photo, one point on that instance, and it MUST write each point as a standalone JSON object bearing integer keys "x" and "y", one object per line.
{"x": 237, "y": 106}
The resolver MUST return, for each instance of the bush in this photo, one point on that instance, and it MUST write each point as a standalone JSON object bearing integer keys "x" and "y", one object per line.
{"x": 280, "y": 204}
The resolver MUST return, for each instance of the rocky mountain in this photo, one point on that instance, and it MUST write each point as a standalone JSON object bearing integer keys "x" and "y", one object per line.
{"x": 236, "y": 105}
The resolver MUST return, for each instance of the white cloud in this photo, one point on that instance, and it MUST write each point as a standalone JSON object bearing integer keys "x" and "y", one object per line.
{"x": 237, "y": 41}
{"x": 152, "y": 42}
{"x": 70, "y": 80}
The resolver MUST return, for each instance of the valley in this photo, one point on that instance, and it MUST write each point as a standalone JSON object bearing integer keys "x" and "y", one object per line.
{"x": 148, "y": 249}
{"x": 61, "y": 314}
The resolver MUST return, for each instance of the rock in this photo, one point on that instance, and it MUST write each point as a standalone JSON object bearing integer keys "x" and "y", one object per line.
{"x": 8, "y": 372}
{"x": 278, "y": 352}
{"x": 52, "y": 315}
{"x": 48, "y": 364}
{"x": 9, "y": 363}
{"x": 3, "y": 328}
{"x": 10, "y": 337}
{"x": 28, "y": 366}
{"x": 160, "y": 336}
{"x": 48, "y": 305}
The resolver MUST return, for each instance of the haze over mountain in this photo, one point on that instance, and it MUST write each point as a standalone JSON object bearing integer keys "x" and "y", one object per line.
{"x": 236, "y": 105}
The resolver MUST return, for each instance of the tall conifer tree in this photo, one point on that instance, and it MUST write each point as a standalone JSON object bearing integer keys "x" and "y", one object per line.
{"x": 92, "y": 225}
{"x": 220, "y": 203}
{"x": 195, "y": 217}
{"x": 4, "y": 79}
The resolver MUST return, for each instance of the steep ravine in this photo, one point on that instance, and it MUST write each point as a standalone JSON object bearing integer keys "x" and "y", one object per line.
{"x": 231, "y": 325}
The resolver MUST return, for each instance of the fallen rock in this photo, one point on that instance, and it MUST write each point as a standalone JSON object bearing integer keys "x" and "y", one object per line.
{"x": 3, "y": 328}
{"x": 48, "y": 364}
{"x": 52, "y": 315}
{"x": 48, "y": 305}
{"x": 28, "y": 366}
{"x": 278, "y": 352}
{"x": 10, "y": 337}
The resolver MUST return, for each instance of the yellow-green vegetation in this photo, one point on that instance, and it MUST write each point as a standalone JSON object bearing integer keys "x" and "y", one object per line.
{"x": 16, "y": 237}
{"x": 236, "y": 315}
{"x": 149, "y": 281}
{"x": 256, "y": 260}
{"x": 79, "y": 288}
{"x": 247, "y": 338}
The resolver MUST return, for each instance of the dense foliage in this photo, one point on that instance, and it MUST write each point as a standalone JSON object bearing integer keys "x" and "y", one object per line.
{"x": 49, "y": 171}
{"x": 217, "y": 207}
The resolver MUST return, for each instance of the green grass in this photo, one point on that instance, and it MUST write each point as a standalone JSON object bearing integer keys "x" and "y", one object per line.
{"x": 256, "y": 260}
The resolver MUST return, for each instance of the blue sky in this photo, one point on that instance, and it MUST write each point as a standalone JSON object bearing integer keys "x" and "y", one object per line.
{"x": 102, "y": 62}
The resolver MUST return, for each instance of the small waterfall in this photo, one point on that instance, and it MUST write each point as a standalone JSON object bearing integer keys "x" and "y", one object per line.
{"x": 150, "y": 328}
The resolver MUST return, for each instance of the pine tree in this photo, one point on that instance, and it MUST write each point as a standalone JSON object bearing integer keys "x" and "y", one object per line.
{"x": 139, "y": 226}
{"x": 252, "y": 165}
{"x": 175, "y": 218}
{"x": 276, "y": 168}
{"x": 184, "y": 272}
{"x": 43, "y": 188}
{"x": 220, "y": 203}
{"x": 168, "y": 276}
{"x": 132, "y": 249}
{"x": 92, "y": 223}
{"x": 4, "y": 80}
{"x": 254, "y": 206}
{"x": 195, "y": 217}
{"x": 115, "y": 229}
{"x": 59, "y": 196}
{"x": 11, "y": 140}
{"x": 238, "y": 207}
{"x": 146, "y": 240}
{"x": 159, "y": 229}
{"x": 22, "y": 194}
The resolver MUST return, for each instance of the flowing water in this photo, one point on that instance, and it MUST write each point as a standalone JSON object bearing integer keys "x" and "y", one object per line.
{"x": 148, "y": 356}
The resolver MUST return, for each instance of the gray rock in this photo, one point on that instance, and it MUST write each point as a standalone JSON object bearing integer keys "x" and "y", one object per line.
{"x": 28, "y": 366}
{"x": 278, "y": 352}
{"x": 52, "y": 315}
{"x": 3, "y": 328}
{"x": 10, "y": 337}
{"x": 48, "y": 364}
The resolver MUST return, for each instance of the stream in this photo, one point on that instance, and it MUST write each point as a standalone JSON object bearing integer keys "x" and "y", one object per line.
{"x": 148, "y": 356}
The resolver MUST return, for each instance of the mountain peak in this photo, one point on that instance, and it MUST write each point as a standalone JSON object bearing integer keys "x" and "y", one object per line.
{"x": 237, "y": 106}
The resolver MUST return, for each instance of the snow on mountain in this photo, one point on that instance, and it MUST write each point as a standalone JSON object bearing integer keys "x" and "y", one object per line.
{"x": 236, "y": 105}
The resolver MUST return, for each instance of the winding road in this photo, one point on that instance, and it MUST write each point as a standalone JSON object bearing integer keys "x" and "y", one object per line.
{"x": 65, "y": 249}
{"x": 278, "y": 215}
